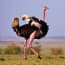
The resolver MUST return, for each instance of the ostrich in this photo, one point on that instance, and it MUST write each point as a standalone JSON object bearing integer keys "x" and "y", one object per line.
{"x": 35, "y": 30}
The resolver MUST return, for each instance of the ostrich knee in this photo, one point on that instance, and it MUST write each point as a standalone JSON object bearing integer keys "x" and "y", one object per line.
{"x": 30, "y": 46}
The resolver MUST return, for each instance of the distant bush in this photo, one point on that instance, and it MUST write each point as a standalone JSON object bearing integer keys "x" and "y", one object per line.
{"x": 61, "y": 57}
{"x": 57, "y": 51}
{"x": 12, "y": 49}
{"x": 2, "y": 59}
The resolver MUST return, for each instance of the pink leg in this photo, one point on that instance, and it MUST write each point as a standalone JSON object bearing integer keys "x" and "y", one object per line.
{"x": 25, "y": 45}
{"x": 32, "y": 36}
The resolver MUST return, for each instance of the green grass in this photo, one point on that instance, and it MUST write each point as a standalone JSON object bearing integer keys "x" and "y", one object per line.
{"x": 32, "y": 60}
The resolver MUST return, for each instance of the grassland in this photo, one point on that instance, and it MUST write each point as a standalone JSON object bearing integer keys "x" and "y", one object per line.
{"x": 48, "y": 48}
{"x": 32, "y": 60}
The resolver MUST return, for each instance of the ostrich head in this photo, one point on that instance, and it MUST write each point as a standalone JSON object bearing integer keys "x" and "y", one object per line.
{"x": 15, "y": 22}
{"x": 26, "y": 18}
{"x": 45, "y": 8}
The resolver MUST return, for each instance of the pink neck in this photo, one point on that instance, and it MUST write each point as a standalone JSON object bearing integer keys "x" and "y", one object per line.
{"x": 43, "y": 15}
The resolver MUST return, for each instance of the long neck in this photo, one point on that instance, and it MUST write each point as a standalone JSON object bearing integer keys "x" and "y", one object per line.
{"x": 43, "y": 15}
{"x": 16, "y": 29}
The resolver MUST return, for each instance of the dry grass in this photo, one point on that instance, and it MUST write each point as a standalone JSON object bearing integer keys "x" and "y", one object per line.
{"x": 32, "y": 60}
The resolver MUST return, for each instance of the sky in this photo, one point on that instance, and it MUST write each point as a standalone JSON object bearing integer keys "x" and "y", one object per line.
{"x": 55, "y": 15}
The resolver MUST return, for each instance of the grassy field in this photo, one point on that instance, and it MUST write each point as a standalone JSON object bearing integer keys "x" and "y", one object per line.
{"x": 32, "y": 60}
{"x": 47, "y": 49}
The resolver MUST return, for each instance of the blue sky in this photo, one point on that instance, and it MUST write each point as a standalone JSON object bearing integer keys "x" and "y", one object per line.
{"x": 55, "y": 15}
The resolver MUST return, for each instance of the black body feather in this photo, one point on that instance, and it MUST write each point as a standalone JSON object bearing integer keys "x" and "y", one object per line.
{"x": 26, "y": 30}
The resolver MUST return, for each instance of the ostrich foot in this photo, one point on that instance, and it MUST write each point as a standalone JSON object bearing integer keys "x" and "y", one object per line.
{"x": 25, "y": 57}
{"x": 39, "y": 57}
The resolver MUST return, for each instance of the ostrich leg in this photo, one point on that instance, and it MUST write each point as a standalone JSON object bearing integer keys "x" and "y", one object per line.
{"x": 25, "y": 45}
{"x": 32, "y": 36}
